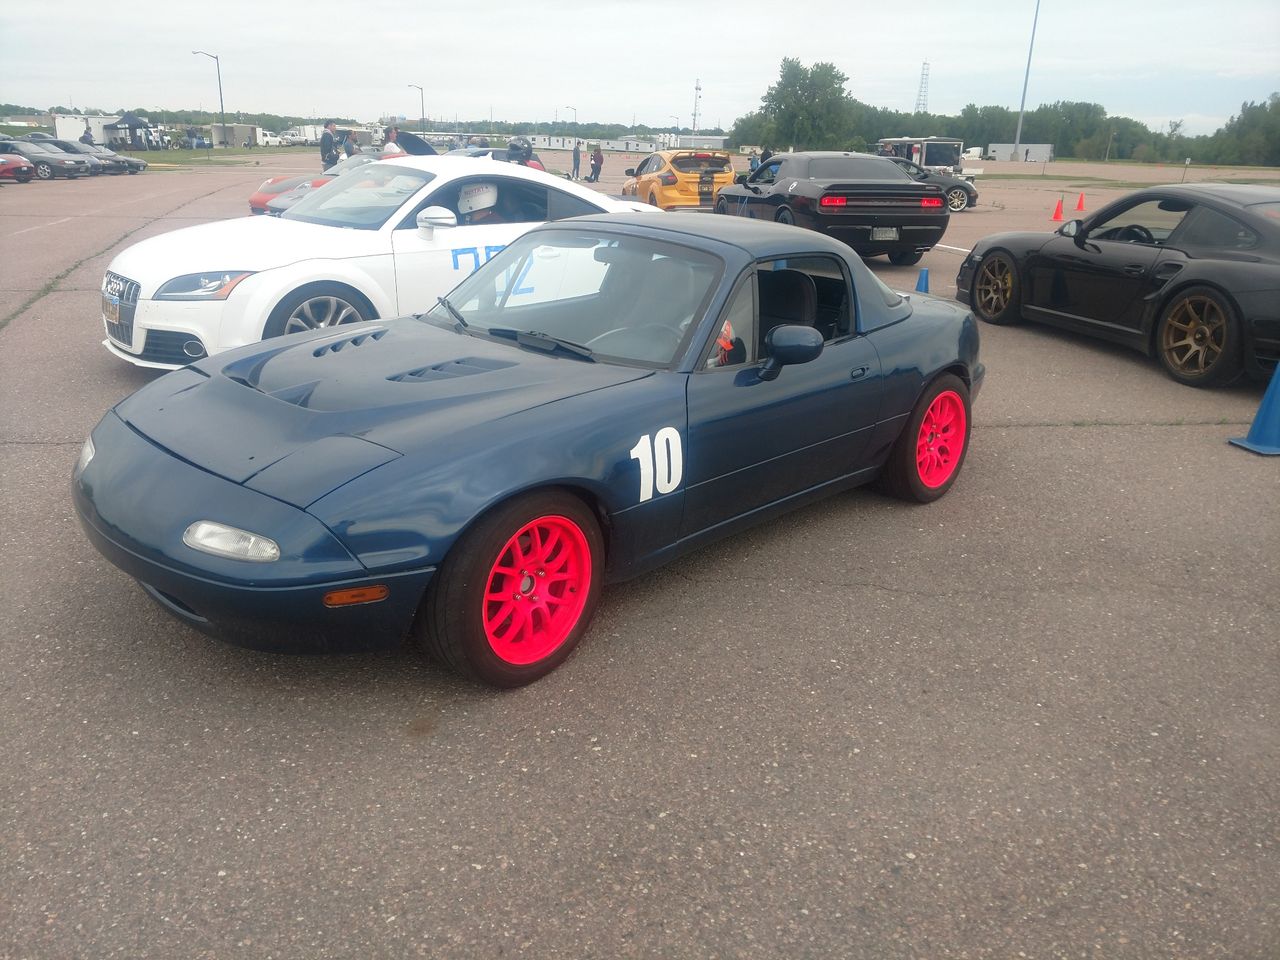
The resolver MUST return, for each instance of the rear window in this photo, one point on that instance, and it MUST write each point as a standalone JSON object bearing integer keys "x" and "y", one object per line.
{"x": 698, "y": 162}
{"x": 853, "y": 168}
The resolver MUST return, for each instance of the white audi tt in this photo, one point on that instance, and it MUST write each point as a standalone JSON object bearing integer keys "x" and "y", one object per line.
{"x": 385, "y": 240}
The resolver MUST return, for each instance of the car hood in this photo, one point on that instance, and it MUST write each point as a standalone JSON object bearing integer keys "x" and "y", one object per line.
{"x": 245, "y": 243}
{"x": 297, "y": 417}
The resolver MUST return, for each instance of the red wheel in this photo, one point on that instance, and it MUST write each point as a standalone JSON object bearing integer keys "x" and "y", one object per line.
{"x": 940, "y": 443}
{"x": 928, "y": 454}
{"x": 536, "y": 591}
{"x": 515, "y": 594}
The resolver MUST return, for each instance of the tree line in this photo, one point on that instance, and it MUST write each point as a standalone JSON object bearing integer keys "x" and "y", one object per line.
{"x": 809, "y": 108}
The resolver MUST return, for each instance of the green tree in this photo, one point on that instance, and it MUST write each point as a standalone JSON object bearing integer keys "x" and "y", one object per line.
{"x": 809, "y": 108}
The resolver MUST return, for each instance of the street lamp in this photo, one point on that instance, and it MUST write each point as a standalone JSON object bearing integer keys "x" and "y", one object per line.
{"x": 575, "y": 116}
{"x": 222, "y": 110}
{"x": 676, "y": 134}
{"x": 422, "y": 109}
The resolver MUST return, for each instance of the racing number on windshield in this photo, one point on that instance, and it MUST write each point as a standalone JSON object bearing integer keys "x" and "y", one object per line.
{"x": 661, "y": 462}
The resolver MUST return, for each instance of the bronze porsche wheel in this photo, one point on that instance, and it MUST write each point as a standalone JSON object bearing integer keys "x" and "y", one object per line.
{"x": 1198, "y": 338}
{"x": 995, "y": 294}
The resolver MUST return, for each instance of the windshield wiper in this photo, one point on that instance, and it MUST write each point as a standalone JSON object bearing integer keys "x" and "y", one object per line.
{"x": 453, "y": 311}
{"x": 543, "y": 341}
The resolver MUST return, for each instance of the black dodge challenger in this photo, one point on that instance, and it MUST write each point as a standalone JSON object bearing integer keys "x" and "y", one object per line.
{"x": 1188, "y": 273}
{"x": 868, "y": 202}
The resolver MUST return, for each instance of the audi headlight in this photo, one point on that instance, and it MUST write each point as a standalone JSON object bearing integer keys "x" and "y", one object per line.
{"x": 222, "y": 540}
{"x": 212, "y": 285}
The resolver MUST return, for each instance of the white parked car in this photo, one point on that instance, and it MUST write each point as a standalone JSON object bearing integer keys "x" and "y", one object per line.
{"x": 385, "y": 240}
{"x": 269, "y": 139}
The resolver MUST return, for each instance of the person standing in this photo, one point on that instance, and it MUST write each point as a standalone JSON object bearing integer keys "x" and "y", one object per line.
{"x": 597, "y": 164}
{"x": 765, "y": 154}
{"x": 350, "y": 146}
{"x": 577, "y": 160}
{"x": 391, "y": 146}
{"x": 753, "y": 162}
{"x": 329, "y": 145}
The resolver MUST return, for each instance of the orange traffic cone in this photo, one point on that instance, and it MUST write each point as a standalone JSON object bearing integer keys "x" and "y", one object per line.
{"x": 1057, "y": 212}
{"x": 1080, "y": 204}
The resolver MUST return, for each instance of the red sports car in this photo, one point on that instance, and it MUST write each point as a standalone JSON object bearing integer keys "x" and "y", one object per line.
{"x": 272, "y": 188}
{"x": 14, "y": 167}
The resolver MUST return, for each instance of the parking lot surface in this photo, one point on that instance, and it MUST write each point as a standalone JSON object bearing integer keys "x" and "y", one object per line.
{"x": 1034, "y": 719}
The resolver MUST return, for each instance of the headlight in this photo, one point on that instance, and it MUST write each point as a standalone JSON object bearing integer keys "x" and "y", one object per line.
{"x": 213, "y": 285}
{"x": 86, "y": 454}
{"x": 222, "y": 540}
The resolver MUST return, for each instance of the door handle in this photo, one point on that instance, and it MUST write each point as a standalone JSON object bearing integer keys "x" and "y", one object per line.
{"x": 1134, "y": 270}
{"x": 857, "y": 373}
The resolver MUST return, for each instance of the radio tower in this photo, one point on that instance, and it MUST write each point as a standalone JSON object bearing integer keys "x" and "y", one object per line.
{"x": 697, "y": 95}
{"x": 922, "y": 98}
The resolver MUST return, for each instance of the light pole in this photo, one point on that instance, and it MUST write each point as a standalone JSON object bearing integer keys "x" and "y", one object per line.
{"x": 575, "y": 117}
{"x": 222, "y": 110}
{"x": 422, "y": 109}
{"x": 1017, "y": 137}
{"x": 675, "y": 141}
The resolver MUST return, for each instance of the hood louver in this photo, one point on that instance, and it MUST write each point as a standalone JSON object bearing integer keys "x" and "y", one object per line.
{"x": 451, "y": 369}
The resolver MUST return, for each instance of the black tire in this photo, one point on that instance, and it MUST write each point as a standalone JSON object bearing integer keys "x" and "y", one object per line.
{"x": 44, "y": 171}
{"x": 653, "y": 200}
{"x": 1198, "y": 338}
{"x": 722, "y": 207}
{"x": 24, "y": 179}
{"x": 786, "y": 216}
{"x": 996, "y": 295}
{"x": 905, "y": 258}
{"x": 451, "y": 623}
{"x": 957, "y": 199}
{"x": 316, "y": 306}
{"x": 924, "y": 463}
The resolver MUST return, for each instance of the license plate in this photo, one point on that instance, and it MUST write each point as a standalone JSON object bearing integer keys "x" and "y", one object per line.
{"x": 884, "y": 233}
{"x": 111, "y": 308}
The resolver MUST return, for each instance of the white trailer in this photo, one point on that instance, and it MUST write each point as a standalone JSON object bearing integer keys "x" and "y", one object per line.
{"x": 1027, "y": 152}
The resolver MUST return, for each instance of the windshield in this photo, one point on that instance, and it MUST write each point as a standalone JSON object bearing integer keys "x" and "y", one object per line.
{"x": 350, "y": 163}
{"x": 624, "y": 298}
{"x": 362, "y": 199}
{"x": 697, "y": 162}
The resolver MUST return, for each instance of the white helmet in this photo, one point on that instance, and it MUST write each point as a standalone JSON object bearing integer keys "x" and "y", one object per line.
{"x": 477, "y": 196}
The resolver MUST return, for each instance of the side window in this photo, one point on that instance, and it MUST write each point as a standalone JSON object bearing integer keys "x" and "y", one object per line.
{"x": 1150, "y": 222}
{"x": 1208, "y": 229}
{"x": 735, "y": 339}
{"x": 810, "y": 291}
{"x": 768, "y": 173}
{"x": 561, "y": 205}
{"x": 646, "y": 166}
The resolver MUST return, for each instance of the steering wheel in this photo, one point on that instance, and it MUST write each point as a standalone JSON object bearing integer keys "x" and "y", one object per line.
{"x": 1137, "y": 233}
{"x": 650, "y": 341}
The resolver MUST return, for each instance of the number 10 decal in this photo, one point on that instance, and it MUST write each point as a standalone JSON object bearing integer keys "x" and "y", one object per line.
{"x": 661, "y": 462}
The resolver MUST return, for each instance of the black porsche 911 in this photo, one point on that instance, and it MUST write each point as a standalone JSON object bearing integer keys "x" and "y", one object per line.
{"x": 1188, "y": 273}
{"x": 961, "y": 194}
{"x": 868, "y": 202}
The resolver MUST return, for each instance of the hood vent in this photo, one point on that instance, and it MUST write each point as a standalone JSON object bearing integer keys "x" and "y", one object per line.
{"x": 451, "y": 369}
{"x": 333, "y": 346}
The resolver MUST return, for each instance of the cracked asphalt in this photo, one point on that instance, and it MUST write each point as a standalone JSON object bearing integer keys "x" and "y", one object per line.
{"x": 1035, "y": 719}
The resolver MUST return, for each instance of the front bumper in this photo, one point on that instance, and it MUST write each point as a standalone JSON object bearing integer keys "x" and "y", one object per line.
{"x": 135, "y": 499}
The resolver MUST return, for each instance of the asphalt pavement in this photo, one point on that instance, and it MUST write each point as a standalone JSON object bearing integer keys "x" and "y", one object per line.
{"x": 1037, "y": 718}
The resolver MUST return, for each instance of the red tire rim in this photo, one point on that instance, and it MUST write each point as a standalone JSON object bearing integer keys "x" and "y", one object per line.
{"x": 537, "y": 590}
{"x": 941, "y": 441}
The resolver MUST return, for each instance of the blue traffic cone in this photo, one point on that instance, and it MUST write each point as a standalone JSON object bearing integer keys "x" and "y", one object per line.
{"x": 922, "y": 284}
{"x": 1264, "y": 435}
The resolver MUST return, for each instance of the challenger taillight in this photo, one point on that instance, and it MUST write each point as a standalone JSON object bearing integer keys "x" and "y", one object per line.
{"x": 931, "y": 203}
{"x": 830, "y": 201}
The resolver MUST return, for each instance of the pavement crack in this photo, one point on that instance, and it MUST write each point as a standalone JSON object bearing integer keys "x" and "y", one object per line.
{"x": 52, "y": 285}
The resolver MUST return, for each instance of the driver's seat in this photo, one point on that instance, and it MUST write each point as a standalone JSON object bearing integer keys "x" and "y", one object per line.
{"x": 786, "y": 296}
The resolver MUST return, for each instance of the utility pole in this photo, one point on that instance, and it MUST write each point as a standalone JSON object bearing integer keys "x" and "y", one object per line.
{"x": 422, "y": 109}
{"x": 1017, "y": 137}
{"x": 922, "y": 96}
{"x": 697, "y": 95}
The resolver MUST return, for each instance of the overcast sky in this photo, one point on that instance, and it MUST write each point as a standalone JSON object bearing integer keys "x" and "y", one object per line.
{"x": 533, "y": 59}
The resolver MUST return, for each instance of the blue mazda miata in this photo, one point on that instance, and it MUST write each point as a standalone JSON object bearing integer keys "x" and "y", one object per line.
{"x": 603, "y": 395}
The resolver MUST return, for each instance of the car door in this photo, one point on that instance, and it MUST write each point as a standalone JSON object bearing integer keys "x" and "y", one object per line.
{"x": 753, "y": 442}
{"x": 428, "y": 265}
{"x": 1099, "y": 277}
{"x": 756, "y": 200}
{"x": 644, "y": 176}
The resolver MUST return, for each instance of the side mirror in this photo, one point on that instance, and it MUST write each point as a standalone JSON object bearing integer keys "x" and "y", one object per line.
{"x": 787, "y": 345}
{"x": 741, "y": 178}
{"x": 1073, "y": 229}
{"x": 629, "y": 172}
{"x": 432, "y": 217}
